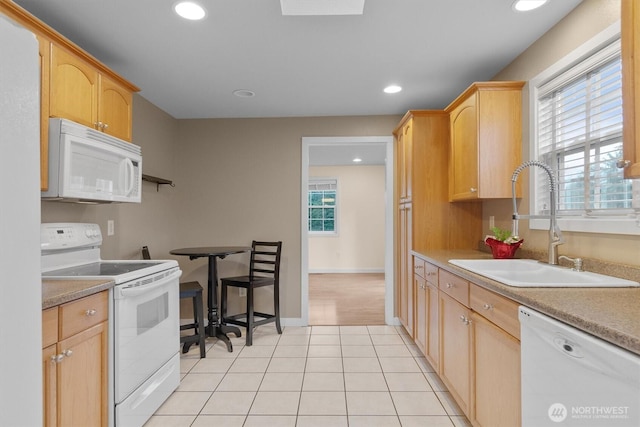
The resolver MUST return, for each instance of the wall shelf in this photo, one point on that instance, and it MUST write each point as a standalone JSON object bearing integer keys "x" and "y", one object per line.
{"x": 157, "y": 181}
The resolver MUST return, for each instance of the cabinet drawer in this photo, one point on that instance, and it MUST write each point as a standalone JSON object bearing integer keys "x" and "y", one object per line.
{"x": 455, "y": 286}
{"x": 418, "y": 267}
{"x": 431, "y": 273}
{"x": 502, "y": 311}
{"x": 49, "y": 326}
{"x": 81, "y": 314}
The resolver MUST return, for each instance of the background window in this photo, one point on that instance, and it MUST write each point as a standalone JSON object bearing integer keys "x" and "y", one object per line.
{"x": 322, "y": 202}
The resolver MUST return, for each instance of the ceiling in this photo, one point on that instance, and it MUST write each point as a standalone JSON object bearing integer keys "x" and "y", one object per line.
{"x": 300, "y": 65}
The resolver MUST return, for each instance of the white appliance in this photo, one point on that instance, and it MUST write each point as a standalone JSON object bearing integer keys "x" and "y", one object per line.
{"x": 144, "y": 316}
{"x": 21, "y": 288}
{"x": 86, "y": 165}
{"x": 573, "y": 379}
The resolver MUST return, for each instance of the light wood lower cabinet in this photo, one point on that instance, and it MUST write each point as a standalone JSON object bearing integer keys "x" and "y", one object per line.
{"x": 470, "y": 335}
{"x": 426, "y": 334}
{"x": 75, "y": 366}
{"x": 496, "y": 387}
{"x": 455, "y": 350}
{"x": 405, "y": 268}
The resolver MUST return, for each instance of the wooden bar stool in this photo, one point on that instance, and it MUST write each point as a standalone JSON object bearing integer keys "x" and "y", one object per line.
{"x": 191, "y": 290}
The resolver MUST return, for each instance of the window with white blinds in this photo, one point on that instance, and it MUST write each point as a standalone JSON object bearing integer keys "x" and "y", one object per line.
{"x": 579, "y": 134}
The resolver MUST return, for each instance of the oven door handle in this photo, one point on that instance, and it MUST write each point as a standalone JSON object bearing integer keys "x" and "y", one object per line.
{"x": 138, "y": 290}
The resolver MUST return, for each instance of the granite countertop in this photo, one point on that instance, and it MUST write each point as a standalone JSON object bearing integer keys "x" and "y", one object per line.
{"x": 607, "y": 313}
{"x": 56, "y": 292}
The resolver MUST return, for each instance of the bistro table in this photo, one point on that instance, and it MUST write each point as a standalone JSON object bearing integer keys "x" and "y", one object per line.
{"x": 214, "y": 328}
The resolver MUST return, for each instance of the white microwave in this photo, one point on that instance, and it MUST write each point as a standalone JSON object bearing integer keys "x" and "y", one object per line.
{"x": 86, "y": 165}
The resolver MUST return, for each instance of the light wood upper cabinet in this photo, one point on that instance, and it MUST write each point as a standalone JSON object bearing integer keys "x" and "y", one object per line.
{"x": 80, "y": 93}
{"x": 115, "y": 109}
{"x": 405, "y": 144}
{"x": 44, "y": 47}
{"x": 631, "y": 86}
{"x": 74, "y": 85}
{"x": 74, "y": 88}
{"x": 486, "y": 140}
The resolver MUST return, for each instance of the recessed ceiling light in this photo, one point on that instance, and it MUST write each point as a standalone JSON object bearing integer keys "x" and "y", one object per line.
{"x": 527, "y": 5}
{"x": 244, "y": 93}
{"x": 392, "y": 89}
{"x": 357, "y": 160}
{"x": 190, "y": 10}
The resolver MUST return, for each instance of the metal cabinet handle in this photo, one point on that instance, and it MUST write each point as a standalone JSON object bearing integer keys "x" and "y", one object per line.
{"x": 67, "y": 353}
{"x": 621, "y": 164}
{"x": 57, "y": 358}
{"x": 449, "y": 286}
{"x": 91, "y": 312}
{"x": 473, "y": 190}
{"x": 464, "y": 319}
{"x": 487, "y": 306}
{"x": 105, "y": 126}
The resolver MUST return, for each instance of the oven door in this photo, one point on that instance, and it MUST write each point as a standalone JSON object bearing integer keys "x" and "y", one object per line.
{"x": 146, "y": 328}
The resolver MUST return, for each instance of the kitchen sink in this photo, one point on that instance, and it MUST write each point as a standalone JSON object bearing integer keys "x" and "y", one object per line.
{"x": 526, "y": 273}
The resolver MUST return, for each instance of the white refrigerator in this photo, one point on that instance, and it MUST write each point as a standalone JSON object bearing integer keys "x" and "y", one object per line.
{"x": 20, "y": 282}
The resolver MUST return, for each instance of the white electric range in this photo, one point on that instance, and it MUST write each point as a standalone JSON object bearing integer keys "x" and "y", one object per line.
{"x": 144, "y": 317}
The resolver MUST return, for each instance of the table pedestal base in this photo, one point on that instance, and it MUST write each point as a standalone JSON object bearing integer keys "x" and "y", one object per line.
{"x": 221, "y": 331}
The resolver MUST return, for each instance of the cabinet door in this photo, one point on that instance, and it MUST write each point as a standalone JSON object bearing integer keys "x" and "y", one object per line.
{"x": 74, "y": 88}
{"x": 405, "y": 269}
{"x": 82, "y": 378}
{"x": 497, "y": 376}
{"x": 420, "y": 335}
{"x": 455, "y": 346}
{"x": 404, "y": 147}
{"x": 45, "y": 64}
{"x": 49, "y": 385}
{"x": 631, "y": 86}
{"x": 463, "y": 175}
{"x": 115, "y": 109}
{"x": 432, "y": 352}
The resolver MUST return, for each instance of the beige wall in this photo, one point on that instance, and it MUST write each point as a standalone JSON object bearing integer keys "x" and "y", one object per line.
{"x": 583, "y": 23}
{"x": 359, "y": 244}
{"x": 239, "y": 179}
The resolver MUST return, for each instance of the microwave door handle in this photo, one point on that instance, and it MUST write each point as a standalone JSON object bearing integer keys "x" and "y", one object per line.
{"x": 138, "y": 290}
{"x": 130, "y": 177}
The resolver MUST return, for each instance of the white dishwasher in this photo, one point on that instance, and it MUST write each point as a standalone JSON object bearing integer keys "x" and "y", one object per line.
{"x": 571, "y": 378}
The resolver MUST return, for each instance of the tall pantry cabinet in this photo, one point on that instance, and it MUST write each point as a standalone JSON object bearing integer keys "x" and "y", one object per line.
{"x": 425, "y": 218}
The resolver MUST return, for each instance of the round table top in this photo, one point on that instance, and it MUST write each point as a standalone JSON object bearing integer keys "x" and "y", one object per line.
{"x": 210, "y": 251}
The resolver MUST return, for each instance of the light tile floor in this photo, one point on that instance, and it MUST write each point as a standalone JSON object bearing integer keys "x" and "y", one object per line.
{"x": 317, "y": 376}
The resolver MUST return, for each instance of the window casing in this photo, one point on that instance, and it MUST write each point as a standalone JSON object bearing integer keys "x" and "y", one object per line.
{"x": 577, "y": 130}
{"x": 322, "y": 206}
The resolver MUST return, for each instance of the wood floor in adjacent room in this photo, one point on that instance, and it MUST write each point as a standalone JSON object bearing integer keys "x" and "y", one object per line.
{"x": 346, "y": 299}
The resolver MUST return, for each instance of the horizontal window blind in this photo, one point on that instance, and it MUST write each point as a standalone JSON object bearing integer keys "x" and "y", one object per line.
{"x": 579, "y": 134}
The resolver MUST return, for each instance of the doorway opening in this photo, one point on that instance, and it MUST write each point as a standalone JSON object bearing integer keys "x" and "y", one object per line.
{"x": 334, "y": 273}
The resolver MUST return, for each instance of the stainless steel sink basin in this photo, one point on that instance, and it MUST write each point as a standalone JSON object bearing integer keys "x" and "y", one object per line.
{"x": 531, "y": 273}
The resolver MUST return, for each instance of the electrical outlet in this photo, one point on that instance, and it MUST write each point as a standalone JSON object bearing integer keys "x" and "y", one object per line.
{"x": 111, "y": 228}
{"x": 492, "y": 222}
{"x": 242, "y": 292}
